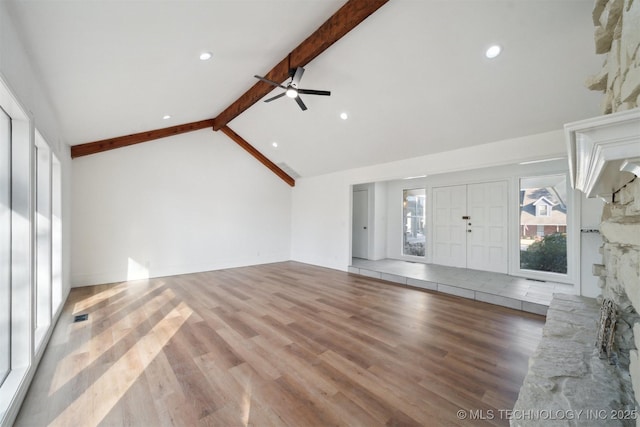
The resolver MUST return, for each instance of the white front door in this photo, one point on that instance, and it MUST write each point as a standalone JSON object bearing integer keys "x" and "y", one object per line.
{"x": 360, "y": 233}
{"x": 470, "y": 223}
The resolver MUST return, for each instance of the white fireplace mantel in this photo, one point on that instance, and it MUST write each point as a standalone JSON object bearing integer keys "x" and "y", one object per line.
{"x": 604, "y": 152}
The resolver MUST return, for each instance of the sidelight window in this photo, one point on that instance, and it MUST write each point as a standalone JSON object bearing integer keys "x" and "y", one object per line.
{"x": 414, "y": 239}
{"x": 543, "y": 223}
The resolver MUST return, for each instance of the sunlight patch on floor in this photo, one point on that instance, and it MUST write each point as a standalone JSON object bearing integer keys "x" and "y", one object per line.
{"x": 93, "y": 349}
{"x": 246, "y": 406}
{"x": 125, "y": 371}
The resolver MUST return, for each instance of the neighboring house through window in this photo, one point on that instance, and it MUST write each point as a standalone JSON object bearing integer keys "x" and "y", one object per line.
{"x": 543, "y": 223}
{"x": 543, "y": 206}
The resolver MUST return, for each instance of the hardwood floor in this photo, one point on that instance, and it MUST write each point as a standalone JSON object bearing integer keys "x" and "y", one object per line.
{"x": 284, "y": 344}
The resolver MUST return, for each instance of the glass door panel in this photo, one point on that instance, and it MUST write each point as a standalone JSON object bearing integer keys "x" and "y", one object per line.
{"x": 414, "y": 239}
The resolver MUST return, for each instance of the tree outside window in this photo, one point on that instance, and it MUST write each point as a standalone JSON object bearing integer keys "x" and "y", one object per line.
{"x": 543, "y": 223}
{"x": 413, "y": 207}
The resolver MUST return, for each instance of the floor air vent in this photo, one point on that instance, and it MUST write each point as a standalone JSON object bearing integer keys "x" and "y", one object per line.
{"x": 80, "y": 318}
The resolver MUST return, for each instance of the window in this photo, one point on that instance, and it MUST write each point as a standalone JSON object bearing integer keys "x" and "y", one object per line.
{"x": 5, "y": 245}
{"x": 414, "y": 238}
{"x": 43, "y": 238}
{"x": 542, "y": 210}
{"x": 56, "y": 234}
{"x": 543, "y": 223}
{"x": 18, "y": 249}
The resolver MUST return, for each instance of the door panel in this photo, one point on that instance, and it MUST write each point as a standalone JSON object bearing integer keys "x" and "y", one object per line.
{"x": 487, "y": 241}
{"x": 449, "y": 238}
{"x": 360, "y": 233}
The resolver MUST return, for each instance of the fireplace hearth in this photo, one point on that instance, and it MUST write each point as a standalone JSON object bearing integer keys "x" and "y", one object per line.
{"x": 568, "y": 383}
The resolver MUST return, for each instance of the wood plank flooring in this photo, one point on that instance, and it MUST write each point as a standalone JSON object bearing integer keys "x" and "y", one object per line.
{"x": 284, "y": 344}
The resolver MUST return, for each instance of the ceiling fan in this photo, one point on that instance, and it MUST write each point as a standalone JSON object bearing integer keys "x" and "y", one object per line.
{"x": 292, "y": 90}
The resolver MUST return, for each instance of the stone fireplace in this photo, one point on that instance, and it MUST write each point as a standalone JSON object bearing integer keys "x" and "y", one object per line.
{"x": 566, "y": 374}
{"x": 605, "y": 161}
{"x": 568, "y": 383}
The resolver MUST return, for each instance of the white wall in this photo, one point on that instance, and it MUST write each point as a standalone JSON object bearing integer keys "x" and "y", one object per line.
{"x": 590, "y": 242}
{"x": 321, "y": 221}
{"x": 193, "y": 202}
{"x": 26, "y": 94}
{"x": 380, "y": 204}
{"x": 20, "y": 75}
{"x": 321, "y": 207}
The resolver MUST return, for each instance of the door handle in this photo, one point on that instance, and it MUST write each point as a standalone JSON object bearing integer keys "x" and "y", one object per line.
{"x": 468, "y": 231}
{"x": 364, "y": 228}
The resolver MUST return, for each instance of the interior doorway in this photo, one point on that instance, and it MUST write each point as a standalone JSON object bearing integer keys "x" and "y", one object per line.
{"x": 360, "y": 225}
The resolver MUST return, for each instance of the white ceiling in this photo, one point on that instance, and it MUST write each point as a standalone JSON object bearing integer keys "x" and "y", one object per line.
{"x": 412, "y": 77}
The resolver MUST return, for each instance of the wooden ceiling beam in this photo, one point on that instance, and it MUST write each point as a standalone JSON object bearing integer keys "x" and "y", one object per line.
{"x": 258, "y": 155}
{"x": 136, "y": 138}
{"x": 350, "y": 15}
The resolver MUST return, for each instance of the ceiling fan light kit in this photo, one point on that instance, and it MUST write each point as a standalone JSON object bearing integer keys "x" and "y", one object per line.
{"x": 292, "y": 90}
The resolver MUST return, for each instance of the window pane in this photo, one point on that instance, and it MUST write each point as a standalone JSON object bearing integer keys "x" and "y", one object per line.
{"x": 543, "y": 223}
{"x": 43, "y": 237}
{"x": 56, "y": 234}
{"x": 414, "y": 238}
{"x": 5, "y": 245}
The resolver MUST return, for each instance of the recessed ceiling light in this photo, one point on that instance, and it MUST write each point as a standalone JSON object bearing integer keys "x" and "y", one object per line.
{"x": 204, "y": 56}
{"x": 493, "y": 51}
{"x": 166, "y": 117}
{"x": 274, "y": 144}
{"x": 344, "y": 116}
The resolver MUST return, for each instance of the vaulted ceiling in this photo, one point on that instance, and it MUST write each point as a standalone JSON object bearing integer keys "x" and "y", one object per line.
{"x": 412, "y": 77}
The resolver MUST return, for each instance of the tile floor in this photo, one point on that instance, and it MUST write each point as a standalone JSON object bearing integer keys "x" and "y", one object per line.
{"x": 495, "y": 288}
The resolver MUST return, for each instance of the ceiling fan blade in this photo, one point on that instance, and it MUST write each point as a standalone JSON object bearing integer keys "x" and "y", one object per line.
{"x": 271, "y": 82}
{"x": 276, "y": 97}
{"x": 314, "y": 92}
{"x": 297, "y": 76}
{"x": 300, "y": 103}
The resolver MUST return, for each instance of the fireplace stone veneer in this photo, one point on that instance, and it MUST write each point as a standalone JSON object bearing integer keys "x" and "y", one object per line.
{"x": 568, "y": 383}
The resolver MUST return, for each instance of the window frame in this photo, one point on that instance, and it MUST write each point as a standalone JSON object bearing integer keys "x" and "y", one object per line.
{"x": 424, "y": 221}
{"x": 22, "y": 354}
{"x": 43, "y": 233}
{"x": 573, "y": 235}
{"x": 56, "y": 235}
{"x": 7, "y": 310}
